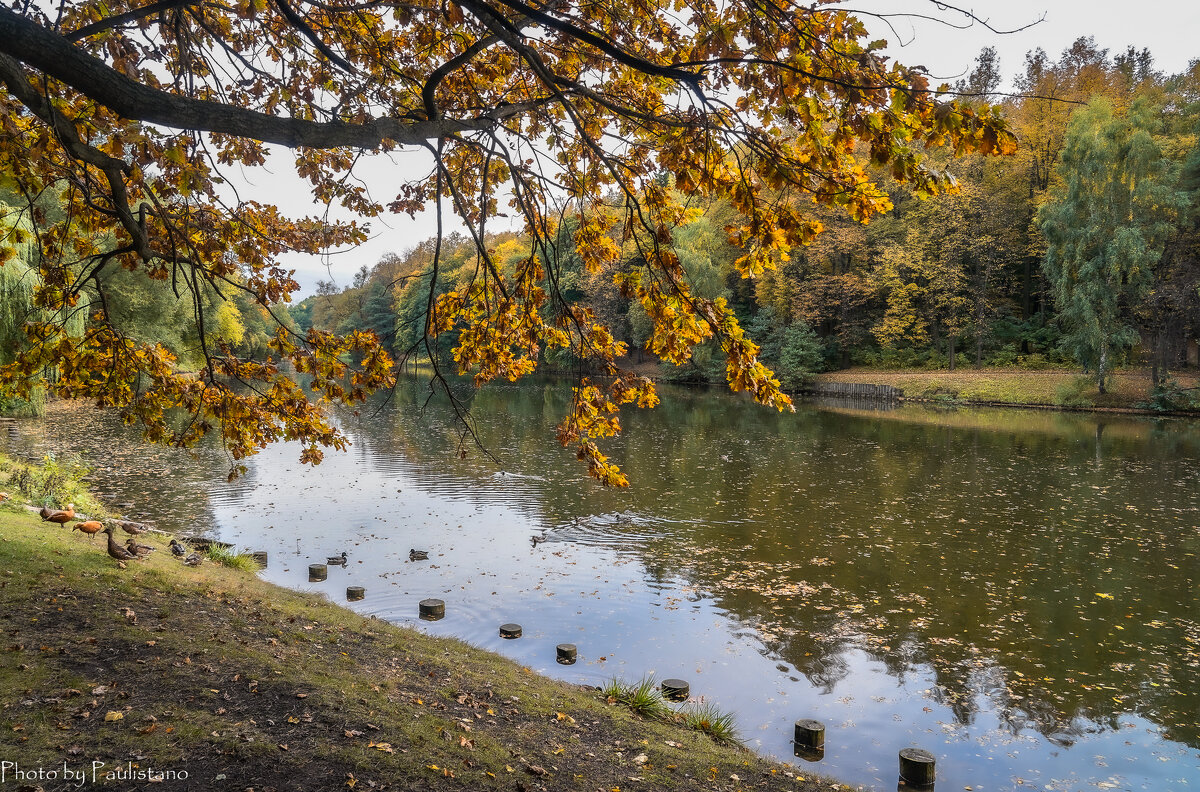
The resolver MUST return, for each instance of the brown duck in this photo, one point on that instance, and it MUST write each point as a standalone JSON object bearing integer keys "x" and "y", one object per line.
{"x": 91, "y": 528}
{"x": 60, "y": 517}
{"x": 116, "y": 551}
{"x": 139, "y": 550}
{"x": 131, "y": 528}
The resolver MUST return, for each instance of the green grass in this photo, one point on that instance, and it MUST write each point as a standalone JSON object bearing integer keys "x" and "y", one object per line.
{"x": 227, "y": 556}
{"x": 642, "y": 697}
{"x": 711, "y": 720}
{"x": 1127, "y": 389}
{"x": 645, "y": 699}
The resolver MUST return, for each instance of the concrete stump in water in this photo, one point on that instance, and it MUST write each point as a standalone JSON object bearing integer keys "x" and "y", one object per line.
{"x": 917, "y": 768}
{"x": 810, "y": 733}
{"x": 510, "y": 630}
{"x": 566, "y": 653}
{"x": 260, "y": 558}
{"x": 355, "y": 593}
{"x": 432, "y": 609}
{"x": 675, "y": 689}
{"x": 317, "y": 572}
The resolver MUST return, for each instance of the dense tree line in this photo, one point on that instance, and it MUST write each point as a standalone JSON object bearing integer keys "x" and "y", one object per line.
{"x": 1081, "y": 248}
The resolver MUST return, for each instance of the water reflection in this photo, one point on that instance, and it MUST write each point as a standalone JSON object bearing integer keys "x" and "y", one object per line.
{"x": 1015, "y": 591}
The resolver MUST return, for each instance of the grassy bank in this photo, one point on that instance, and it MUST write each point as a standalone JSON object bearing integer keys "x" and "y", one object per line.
{"x": 245, "y": 685}
{"x": 1046, "y": 387}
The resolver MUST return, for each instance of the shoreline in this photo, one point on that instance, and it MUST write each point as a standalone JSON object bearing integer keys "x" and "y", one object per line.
{"x": 245, "y": 684}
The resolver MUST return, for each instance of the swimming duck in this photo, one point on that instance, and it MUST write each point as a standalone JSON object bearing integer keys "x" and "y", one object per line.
{"x": 418, "y": 555}
{"x": 337, "y": 560}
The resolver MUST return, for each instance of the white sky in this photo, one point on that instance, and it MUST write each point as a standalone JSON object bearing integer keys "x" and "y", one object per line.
{"x": 1169, "y": 28}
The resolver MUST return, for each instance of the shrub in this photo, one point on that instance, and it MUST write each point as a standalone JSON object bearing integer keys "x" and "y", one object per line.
{"x": 1005, "y": 356}
{"x": 55, "y": 483}
{"x": 1169, "y": 396}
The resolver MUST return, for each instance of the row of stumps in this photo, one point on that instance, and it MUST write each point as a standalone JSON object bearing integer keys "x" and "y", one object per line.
{"x": 319, "y": 572}
{"x": 916, "y": 765}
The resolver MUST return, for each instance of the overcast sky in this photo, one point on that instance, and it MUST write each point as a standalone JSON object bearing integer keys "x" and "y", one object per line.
{"x": 1169, "y": 28}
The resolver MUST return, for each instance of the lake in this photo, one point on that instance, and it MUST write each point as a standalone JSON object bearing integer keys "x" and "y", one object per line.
{"x": 1014, "y": 591}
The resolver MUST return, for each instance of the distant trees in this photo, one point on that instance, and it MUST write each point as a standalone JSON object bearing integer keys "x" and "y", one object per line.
{"x": 1082, "y": 247}
{"x": 1108, "y": 227}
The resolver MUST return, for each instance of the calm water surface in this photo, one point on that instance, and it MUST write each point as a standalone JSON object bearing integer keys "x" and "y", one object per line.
{"x": 1014, "y": 591}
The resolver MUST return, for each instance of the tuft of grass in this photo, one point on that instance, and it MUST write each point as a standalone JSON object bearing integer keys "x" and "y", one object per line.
{"x": 643, "y": 697}
{"x": 227, "y": 556}
{"x": 708, "y": 718}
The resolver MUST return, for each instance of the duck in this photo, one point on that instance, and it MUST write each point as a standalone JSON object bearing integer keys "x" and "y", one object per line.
{"x": 337, "y": 560}
{"x": 193, "y": 560}
{"x": 418, "y": 555}
{"x": 91, "y": 528}
{"x": 139, "y": 549}
{"x": 177, "y": 549}
{"x": 133, "y": 529}
{"x": 116, "y": 551}
{"x": 60, "y": 517}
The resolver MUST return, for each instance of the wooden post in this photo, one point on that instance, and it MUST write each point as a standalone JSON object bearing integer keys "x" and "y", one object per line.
{"x": 432, "y": 609}
{"x": 810, "y": 733}
{"x": 317, "y": 572}
{"x": 566, "y": 653}
{"x": 675, "y": 689}
{"x": 510, "y": 630}
{"x": 917, "y": 768}
{"x": 260, "y": 558}
{"x": 354, "y": 593}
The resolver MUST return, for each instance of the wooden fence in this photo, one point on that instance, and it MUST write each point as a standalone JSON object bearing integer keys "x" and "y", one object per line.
{"x": 854, "y": 390}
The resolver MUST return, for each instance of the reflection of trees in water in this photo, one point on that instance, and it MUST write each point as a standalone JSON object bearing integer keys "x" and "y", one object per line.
{"x": 167, "y": 486}
{"x": 979, "y": 551}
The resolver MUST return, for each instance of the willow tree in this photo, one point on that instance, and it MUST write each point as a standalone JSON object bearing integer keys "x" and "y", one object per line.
{"x": 1107, "y": 227}
{"x": 533, "y": 110}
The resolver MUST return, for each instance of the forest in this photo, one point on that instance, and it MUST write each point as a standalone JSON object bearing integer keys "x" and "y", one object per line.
{"x": 1081, "y": 249}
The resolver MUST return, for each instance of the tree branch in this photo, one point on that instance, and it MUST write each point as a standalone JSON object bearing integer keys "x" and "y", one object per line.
{"x": 108, "y": 23}
{"x": 48, "y": 52}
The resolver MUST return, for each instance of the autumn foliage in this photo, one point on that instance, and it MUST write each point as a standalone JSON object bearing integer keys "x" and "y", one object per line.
{"x": 122, "y": 123}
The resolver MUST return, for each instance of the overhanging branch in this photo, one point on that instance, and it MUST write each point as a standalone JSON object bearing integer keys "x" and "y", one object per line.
{"x": 50, "y": 53}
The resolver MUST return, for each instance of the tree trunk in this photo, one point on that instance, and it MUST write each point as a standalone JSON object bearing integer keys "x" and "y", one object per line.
{"x": 1160, "y": 351}
{"x": 1102, "y": 368}
{"x": 978, "y": 350}
{"x": 1026, "y": 287}
{"x": 1154, "y": 355}
{"x": 950, "y": 341}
